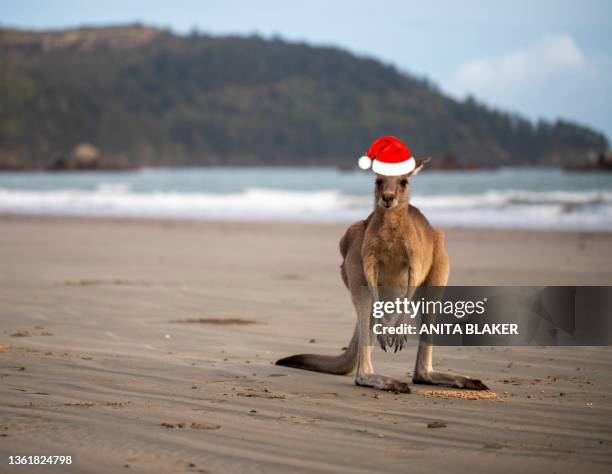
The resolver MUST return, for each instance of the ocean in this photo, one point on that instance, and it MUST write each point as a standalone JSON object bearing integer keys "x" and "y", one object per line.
{"x": 504, "y": 198}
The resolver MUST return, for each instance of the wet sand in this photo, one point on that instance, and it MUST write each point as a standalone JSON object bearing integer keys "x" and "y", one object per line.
{"x": 144, "y": 346}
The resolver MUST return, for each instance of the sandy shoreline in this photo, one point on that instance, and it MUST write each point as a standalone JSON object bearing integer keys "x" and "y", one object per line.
{"x": 93, "y": 362}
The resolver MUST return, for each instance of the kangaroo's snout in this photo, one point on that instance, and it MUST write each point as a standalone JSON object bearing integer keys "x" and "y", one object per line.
{"x": 388, "y": 198}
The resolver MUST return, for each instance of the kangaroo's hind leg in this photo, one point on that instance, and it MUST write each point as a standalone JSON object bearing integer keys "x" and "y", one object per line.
{"x": 355, "y": 279}
{"x": 423, "y": 371}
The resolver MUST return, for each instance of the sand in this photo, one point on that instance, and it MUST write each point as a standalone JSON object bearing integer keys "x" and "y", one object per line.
{"x": 147, "y": 346}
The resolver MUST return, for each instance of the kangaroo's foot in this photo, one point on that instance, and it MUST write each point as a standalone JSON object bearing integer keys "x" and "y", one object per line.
{"x": 442, "y": 378}
{"x": 381, "y": 382}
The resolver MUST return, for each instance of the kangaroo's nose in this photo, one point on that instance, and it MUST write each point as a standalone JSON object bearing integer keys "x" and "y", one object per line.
{"x": 388, "y": 197}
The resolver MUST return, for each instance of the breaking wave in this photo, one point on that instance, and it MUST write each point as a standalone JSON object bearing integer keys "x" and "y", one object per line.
{"x": 506, "y": 209}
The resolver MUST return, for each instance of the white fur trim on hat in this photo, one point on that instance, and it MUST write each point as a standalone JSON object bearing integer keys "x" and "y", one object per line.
{"x": 365, "y": 162}
{"x": 394, "y": 169}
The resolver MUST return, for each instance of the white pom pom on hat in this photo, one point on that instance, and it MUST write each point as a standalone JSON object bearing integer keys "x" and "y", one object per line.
{"x": 365, "y": 162}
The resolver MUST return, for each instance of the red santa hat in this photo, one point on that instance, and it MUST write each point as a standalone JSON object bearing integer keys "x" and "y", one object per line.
{"x": 388, "y": 156}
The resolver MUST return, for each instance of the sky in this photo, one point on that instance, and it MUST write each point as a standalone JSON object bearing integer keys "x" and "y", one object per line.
{"x": 541, "y": 58}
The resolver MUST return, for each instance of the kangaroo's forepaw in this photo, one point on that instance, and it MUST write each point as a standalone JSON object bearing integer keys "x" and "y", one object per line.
{"x": 382, "y": 382}
{"x": 394, "y": 342}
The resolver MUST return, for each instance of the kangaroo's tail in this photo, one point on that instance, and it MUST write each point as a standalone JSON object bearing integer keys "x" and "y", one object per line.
{"x": 338, "y": 365}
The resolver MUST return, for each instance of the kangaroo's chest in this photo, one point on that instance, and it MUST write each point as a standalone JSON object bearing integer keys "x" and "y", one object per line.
{"x": 391, "y": 249}
{"x": 393, "y": 256}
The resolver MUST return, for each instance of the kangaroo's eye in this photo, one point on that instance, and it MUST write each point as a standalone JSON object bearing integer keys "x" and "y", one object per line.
{"x": 404, "y": 182}
{"x": 379, "y": 182}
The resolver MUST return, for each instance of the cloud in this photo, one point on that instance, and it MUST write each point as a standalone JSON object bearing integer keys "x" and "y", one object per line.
{"x": 554, "y": 56}
{"x": 551, "y": 78}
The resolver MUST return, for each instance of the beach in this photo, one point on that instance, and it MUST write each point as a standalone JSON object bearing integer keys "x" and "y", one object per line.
{"x": 137, "y": 345}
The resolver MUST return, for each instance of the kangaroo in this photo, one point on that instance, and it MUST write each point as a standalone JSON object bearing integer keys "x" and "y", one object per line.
{"x": 394, "y": 247}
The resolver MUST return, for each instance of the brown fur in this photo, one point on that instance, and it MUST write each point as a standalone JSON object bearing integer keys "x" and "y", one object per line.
{"x": 394, "y": 247}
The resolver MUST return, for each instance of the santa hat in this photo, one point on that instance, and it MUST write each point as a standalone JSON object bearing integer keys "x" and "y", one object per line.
{"x": 388, "y": 156}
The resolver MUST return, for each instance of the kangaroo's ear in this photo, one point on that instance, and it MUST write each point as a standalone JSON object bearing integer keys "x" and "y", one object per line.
{"x": 420, "y": 162}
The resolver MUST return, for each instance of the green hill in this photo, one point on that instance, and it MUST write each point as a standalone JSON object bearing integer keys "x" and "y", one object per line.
{"x": 145, "y": 96}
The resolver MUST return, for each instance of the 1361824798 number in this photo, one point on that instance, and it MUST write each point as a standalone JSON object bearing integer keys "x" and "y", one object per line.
{"x": 40, "y": 459}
